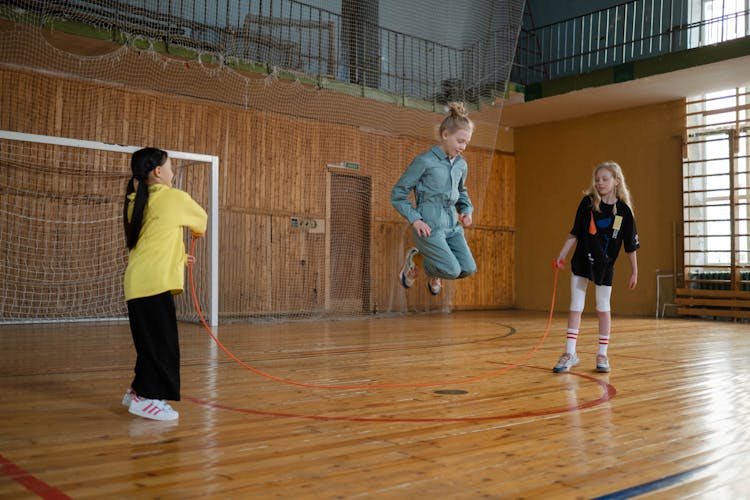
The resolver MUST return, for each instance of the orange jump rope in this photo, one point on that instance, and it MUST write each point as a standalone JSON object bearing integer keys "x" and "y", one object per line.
{"x": 257, "y": 371}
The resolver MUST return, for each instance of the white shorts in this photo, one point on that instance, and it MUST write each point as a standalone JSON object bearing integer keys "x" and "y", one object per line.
{"x": 578, "y": 294}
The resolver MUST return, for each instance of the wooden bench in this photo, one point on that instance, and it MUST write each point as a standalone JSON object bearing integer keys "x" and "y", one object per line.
{"x": 717, "y": 303}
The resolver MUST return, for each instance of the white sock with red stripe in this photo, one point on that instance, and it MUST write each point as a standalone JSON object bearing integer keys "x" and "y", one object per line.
{"x": 603, "y": 343}
{"x": 570, "y": 345}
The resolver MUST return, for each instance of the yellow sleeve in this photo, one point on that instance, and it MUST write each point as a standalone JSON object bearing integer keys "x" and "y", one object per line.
{"x": 192, "y": 215}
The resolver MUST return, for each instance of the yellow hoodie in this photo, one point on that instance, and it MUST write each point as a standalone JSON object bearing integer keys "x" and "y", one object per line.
{"x": 157, "y": 262}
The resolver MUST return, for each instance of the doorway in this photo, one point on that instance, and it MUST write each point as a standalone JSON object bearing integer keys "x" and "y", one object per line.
{"x": 348, "y": 243}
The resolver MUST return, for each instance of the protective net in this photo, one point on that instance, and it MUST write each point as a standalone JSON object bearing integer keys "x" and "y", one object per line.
{"x": 314, "y": 109}
{"x": 62, "y": 239}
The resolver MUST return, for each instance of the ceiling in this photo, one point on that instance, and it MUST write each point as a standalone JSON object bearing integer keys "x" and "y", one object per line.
{"x": 648, "y": 90}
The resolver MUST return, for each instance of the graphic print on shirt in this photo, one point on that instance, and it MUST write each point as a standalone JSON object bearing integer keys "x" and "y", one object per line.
{"x": 604, "y": 224}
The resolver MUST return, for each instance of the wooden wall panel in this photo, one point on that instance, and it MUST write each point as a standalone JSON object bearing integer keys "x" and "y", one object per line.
{"x": 244, "y": 282}
{"x": 497, "y": 197}
{"x": 493, "y": 284}
{"x": 390, "y": 240}
{"x": 297, "y": 269}
{"x": 241, "y": 178}
{"x": 273, "y": 167}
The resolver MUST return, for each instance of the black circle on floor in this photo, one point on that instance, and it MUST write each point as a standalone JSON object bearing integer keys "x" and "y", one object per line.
{"x": 451, "y": 391}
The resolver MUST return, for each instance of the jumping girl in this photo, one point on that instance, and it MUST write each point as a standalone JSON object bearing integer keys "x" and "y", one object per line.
{"x": 438, "y": 179}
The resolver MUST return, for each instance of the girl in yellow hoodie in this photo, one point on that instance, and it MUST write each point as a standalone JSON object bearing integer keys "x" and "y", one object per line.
{"x": 154, "y": 215}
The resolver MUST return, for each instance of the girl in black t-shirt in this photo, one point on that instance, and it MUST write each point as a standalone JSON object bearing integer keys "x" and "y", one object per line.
{"x": 604, "y": 223}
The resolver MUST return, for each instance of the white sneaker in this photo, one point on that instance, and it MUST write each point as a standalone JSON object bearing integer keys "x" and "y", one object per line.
{"x": 155, "y": 409}
{"x": 128, "y": 397}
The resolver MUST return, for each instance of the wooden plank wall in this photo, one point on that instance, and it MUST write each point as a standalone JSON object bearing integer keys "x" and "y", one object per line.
{"x": 273, "y": 169}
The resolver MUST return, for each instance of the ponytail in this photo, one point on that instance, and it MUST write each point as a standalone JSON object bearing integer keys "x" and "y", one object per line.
{"x": 458, "y": 119}
{"x": 142, "y": 163}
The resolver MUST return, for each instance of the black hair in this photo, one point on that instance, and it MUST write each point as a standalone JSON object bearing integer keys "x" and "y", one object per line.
{"x": 142, "y": 163}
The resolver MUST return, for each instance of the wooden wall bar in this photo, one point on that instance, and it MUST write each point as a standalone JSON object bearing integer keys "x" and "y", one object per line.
{"x": 273, "y": 168}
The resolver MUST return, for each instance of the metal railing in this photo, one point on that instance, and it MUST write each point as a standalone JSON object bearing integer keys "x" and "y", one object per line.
{"x": 292, "y": 36}
{"x": 626, "y": 32}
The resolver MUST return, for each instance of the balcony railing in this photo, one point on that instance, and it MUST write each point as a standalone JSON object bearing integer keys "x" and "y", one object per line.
{"x": 626, "y": 32}
{"x": 295, "y": 37}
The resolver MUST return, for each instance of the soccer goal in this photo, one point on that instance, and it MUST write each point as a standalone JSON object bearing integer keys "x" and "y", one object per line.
{"x": 62, "y": 248}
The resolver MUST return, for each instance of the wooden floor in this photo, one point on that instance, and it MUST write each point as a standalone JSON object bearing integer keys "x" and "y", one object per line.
{"x": 460, "y": 405}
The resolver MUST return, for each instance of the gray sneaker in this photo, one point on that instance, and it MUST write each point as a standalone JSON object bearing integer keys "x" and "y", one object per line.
{"x": 408, "y": 272}
{"x": 602, "y": 363}
{"x": 566, "y": 362}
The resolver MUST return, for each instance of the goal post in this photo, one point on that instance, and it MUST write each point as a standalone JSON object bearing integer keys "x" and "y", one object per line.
{"x": 62, "y": 251}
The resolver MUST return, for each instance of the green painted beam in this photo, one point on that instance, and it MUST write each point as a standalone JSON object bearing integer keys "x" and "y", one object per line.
{"x": 658, "y": 65}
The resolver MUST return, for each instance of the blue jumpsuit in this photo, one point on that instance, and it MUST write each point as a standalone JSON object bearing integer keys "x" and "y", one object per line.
{"x": 440, "y": 193}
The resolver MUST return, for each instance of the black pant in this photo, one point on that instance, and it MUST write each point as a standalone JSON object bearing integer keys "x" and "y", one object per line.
{"x": 153, "y": 323}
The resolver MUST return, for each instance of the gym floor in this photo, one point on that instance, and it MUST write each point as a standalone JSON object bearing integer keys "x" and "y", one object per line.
{"x": 459, "y": 405}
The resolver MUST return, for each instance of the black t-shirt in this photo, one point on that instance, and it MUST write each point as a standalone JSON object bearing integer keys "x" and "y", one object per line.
{"x": 595, "y": 254}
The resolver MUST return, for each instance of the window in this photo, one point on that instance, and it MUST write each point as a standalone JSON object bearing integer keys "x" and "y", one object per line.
{"x": 716, "y": 182}
{"x": 717, "y": 21}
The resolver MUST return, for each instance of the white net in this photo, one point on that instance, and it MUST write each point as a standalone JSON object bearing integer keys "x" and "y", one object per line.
{"x": 314, "y": 108}
{"x": 62, "y": 245}
{"x": 59, "y": 260}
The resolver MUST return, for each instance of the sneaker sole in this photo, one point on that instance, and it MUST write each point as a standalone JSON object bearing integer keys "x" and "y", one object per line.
{"x": 563, "y": 370}
{"x": 403, "y": 281}
{"x": 165, "y": 418}
{"x": 602, "y": 369}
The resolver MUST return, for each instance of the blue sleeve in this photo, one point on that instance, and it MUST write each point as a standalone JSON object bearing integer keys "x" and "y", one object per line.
{"x": 400, "y": 193}
{"x": 463, "y": 205}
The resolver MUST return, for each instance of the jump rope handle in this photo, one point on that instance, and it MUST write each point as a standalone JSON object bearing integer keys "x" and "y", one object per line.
{"x": 557, "y": 264}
